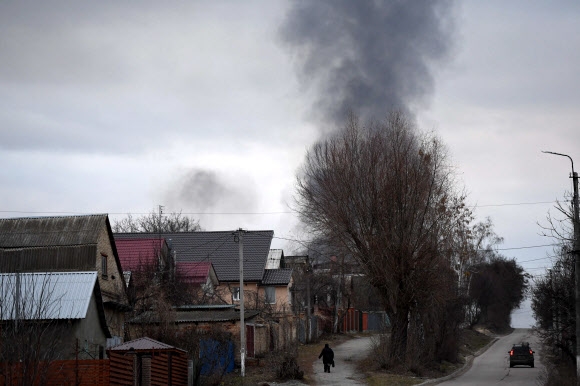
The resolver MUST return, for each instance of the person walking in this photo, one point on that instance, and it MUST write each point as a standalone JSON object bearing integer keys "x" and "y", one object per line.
{"x": 327, "y": 356}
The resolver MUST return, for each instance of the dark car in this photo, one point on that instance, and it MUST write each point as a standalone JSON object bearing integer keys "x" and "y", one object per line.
{"x": 521, "y": 354}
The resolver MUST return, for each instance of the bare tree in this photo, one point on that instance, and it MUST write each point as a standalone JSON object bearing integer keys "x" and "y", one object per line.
{"x": 327, "y": 272}
{"x": 475, "y": 247}
{"x": 553, "y": 300}
{"x": 553, "y": 303}
{"x": 31, "y": 336}
{"x": 157, "y": 222}
{"x": 386, "y": 195}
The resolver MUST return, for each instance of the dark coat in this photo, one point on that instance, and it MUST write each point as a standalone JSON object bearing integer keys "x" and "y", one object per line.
{"x": 327, "y": 355}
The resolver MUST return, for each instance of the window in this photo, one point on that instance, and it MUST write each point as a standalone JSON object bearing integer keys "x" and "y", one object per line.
{"x": 270, "y": 295}
{"x": 104, "y": 272}
{"x": 236, "y": 294}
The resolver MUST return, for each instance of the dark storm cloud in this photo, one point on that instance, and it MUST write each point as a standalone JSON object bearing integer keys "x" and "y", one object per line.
{"x": 367, "y": 57}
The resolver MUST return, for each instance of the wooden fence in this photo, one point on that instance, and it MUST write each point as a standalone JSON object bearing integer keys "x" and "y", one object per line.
{"x": 57, "y": 373}
{"x": 166, "y": 368}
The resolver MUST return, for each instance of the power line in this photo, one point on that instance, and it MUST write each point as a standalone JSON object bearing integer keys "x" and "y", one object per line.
{"x": 534, "y": 268}
{"x": 527, "y": 247}
{"x": 246, "y": 213}
{"x": 146, "y": 213}
{"x": 538, "y": 259}
{"x": 517, "y": 204}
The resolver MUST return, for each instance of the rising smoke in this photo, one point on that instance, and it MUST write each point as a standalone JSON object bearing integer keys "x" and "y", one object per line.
{"x": 204, "y": 191}
{"x": 367, "y": 57}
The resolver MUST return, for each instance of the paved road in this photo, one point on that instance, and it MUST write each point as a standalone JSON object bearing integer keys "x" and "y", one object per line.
{"x": 344, "y": 372}
{"x": 345, "y": 356}
{"x": 492, "y": 367}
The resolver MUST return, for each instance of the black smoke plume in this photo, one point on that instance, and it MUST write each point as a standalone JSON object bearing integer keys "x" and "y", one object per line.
{"x": 367, "y": 57}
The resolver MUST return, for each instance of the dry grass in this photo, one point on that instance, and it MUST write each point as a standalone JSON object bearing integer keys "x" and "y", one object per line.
{"x": 471, "y": 342}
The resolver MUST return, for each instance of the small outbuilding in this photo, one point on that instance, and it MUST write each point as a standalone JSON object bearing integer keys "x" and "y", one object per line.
{"x": 147, "y": 361}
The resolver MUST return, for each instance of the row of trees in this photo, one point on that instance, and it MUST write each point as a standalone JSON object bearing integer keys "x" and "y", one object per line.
{"x": 385, "y": 195}
{"x": 157, "y": 222}
{"x": 553, "y": 301}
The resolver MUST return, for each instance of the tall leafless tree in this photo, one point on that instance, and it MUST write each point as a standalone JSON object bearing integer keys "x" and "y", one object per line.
{"x": 386, "y": 195}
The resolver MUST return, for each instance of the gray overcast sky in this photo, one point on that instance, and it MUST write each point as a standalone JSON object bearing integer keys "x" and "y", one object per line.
{"x": 210, "y": 106}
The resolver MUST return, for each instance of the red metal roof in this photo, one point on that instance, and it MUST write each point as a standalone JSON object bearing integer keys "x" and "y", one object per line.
{"x": 136, "y": 254}
{"x": 194, "y": 272}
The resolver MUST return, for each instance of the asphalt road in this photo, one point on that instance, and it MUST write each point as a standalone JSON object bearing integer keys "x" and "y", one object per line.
{"x": 492, "y": 367}
{"x": 344, "y": 372}
{"x": 345, "y": 356}
{"x": 489, "y": 368}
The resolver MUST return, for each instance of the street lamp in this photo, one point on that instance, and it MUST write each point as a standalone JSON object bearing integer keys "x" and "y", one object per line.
{"x": 576, "y": 251}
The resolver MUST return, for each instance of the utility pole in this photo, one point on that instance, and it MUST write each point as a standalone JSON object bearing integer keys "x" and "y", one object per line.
{"x": 576, "y": 251}
{"x": 240, "y": 236}
{"x": 308, "y": 305}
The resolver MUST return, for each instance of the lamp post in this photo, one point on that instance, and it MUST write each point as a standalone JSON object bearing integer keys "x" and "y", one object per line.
{"x": 576, "y": 251}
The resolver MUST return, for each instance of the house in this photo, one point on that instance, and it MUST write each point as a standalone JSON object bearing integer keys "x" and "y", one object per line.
{"x": 266, "y": 291}
{"x": 69, "y": 244}
{"x": 147, "y": 263}
{"x": 222, "y": 250}
{"x": 275, "y": 286}
{"x": 62, "y": 312}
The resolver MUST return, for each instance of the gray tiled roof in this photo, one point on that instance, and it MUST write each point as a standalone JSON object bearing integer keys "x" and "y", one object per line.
{"x": 220, "y": 249}
{"x": 277, "y": 276}
{"x": 50, "y": 231}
